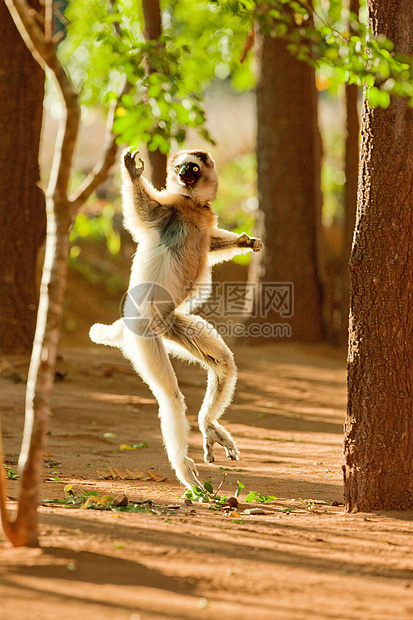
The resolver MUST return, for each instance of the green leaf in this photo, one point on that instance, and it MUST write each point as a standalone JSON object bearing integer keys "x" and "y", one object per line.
{"x": 68, "y": 491}
{"x": 251, "y": 496}
{"x": 54, "y": 501}
{"x": 378, "y": 98}
{"x": 135, "y": 446}
{"x": 208, "y": 486}
{"x": 241, "y": 486}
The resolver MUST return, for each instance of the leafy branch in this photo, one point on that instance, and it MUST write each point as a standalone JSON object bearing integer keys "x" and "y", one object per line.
{"x": 159, "y": 105}
{"x": 356, "y": 56}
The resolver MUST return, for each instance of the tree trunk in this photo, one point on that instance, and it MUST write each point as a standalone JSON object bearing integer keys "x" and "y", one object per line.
{"x": 350, "y": 191}
{"x": 22, "y": 203}
{"x": 289, "y": 170}
{"x": 152, "y": 32}
{"x": 378, "y": 445}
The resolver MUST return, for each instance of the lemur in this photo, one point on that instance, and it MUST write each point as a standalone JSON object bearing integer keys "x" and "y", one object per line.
{"x": 178, "y": 242}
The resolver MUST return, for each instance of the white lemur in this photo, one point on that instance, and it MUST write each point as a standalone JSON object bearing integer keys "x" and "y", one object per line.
{"x": 178, "y": 241}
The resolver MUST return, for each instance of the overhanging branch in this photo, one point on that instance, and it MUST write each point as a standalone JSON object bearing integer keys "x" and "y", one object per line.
{"x": 107, "y": 159}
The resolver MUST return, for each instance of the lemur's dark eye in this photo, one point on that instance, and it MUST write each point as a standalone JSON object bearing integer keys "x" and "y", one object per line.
{"x": 195, "y": 168}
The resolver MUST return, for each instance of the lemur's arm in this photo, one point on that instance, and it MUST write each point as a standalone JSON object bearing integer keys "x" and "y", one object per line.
{"x": 141, "y": 206}
{"x": 224, "y": 245}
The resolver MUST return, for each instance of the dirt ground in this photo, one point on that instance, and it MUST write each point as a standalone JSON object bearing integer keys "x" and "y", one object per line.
{"x": 299, "y": 559}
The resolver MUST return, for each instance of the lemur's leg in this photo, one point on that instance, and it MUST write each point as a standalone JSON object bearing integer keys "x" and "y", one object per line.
{"x": 198, "y": 339}
{"x": 150, "y": 360}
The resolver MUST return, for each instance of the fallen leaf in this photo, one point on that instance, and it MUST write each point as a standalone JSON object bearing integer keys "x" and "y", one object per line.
{"x": 121, "y": 474}
{"x": 133, "y": 474}
{"x": 142, "y": 474}
{"x": 255, "y": 511}
{"x": 234, "y": 515}
{"x": 135, "y": 446}
{"x": 120, "y": 502}
{"x": 91, "y": 501}
{"x": 156, "y": 477}
{"x": 232, "y": 502}
{"x": 105, "y": 475}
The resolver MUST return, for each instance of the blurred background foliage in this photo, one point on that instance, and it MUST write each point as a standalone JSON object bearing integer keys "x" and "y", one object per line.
{"x": 189, "y": 88}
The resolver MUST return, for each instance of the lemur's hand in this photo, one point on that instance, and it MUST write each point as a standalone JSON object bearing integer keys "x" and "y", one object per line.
{"x": 130, "y": 165}
{"x": 244, "y": 241}
{"x": 257, "y": 244}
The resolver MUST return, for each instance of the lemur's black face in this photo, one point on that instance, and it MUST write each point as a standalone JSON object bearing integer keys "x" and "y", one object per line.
{"x": 188, "y": 173}
{"x": 192, "y": 174}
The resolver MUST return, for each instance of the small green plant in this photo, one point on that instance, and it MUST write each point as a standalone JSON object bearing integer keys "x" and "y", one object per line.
{"x": 253, "y": 496}
{"x": 11, "y": 474}
{"x": 207, "y": 495}
{"x": 310, "y": 504}
{"x": 72, "y": 498}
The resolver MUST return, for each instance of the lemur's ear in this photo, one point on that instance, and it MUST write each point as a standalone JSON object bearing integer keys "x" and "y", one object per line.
{"x": 204, "y": 157}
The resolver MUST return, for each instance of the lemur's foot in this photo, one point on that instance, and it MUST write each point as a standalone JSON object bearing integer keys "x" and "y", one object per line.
{"x": 209, "y": 456}
{"x": 232, "y": 453}
{"x": 215, "y": 433}
{"x": 131, "y": 166}
{"x": 187, "y": 473}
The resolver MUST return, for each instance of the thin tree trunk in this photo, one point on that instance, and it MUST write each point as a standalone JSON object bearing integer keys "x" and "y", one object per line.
{"x": 289, "y": 169}
{"x": 350, "y": 191}
{"x": 22, "y": 202}
{"x": 60, "y": 211}
{"x": 378, "y": 445}
{"x": 24, "y": 530}
{"x": 152, "y": 32}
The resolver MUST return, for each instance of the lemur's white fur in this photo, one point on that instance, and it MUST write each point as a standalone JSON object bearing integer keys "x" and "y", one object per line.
{"x": 178, "y": 241}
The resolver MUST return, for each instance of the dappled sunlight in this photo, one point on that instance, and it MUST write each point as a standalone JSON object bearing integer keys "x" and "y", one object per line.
{"x": 120, "y": 399}
{"x": 165, "y": 562}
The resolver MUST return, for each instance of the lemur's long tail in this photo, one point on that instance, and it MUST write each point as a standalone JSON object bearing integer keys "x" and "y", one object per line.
{"x": 110, "y": 335}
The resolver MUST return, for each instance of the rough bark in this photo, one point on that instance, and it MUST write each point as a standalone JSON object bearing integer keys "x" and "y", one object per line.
{"x": 22, "y": 202}
{"x": 378, "y": 446}
{"x": 289, "y": 165}
{"x": 152, "y": 31}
